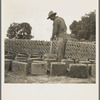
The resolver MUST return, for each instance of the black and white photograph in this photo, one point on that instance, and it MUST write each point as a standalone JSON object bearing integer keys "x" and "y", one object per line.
{"x": 50, "y": 42}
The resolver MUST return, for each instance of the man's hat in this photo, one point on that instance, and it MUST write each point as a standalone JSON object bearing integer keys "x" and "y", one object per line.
{"x": 51, "y": 13}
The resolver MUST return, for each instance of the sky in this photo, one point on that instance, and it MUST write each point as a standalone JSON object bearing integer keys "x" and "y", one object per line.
{"x": 35, "y": 12}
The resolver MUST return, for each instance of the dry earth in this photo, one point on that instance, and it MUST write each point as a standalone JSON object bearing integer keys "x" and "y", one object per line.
{"x": 18, "y": 78}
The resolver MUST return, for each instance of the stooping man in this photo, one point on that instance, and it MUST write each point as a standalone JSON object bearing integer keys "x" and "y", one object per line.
{"x": 59, "y": 32}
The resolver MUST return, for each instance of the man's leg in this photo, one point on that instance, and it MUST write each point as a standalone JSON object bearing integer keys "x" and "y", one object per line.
{"x": 61, "y": 48}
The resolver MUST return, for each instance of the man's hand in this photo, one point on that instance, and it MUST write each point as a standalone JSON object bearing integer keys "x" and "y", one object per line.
{"x": 52, "y": 38}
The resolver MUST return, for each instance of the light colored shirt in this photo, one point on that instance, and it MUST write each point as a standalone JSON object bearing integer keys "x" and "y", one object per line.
{"x": 59, "y": 26}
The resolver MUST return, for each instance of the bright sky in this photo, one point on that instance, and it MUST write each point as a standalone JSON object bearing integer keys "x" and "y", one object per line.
{"x": 35, "y": 12}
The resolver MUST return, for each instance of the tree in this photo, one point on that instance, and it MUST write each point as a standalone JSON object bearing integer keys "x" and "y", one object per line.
{"x": 19, "y": 31}
{"x": 85, "y": 28}
{"x": 73, "y": 27}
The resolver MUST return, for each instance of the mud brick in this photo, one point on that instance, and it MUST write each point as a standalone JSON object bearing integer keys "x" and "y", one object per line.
{"x": 50, "y": 60}
{"x": 30, "y": 59}
{"x": 84, "y": 62}
{"x": 35, "y": 56}
{"x": 76, "y": 60}
{"x": 22, "y": 55}
{"x": 49, "y": 63}
{"x": 20, "y": 67}
{"x": 58, "y": 69}
{"x": 89, "y": 69}
{"x": 70, "y": 61}
{"x": 92, "y": 61}
{"x": 93, "y": 70}
{"x": 63, "y": 60}
{"x": 21, "y": 59}
{"x": 67, "y": 62}
{"x": 9, "y": 56}
{"x": 50, "y": 56}
{"x": 8, "y": 63}
{"x": 38, "y": 68}
{"x": 78, "y": 70}
{"x": 37, "y": 59}
{"x": 83, "y": 59}
{"x": 88, "y": 63}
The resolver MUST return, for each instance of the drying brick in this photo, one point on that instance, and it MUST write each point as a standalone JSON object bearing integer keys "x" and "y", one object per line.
{"x": 67, "y": 62}
{"x": 9, "y": 56}
{"x": 38, "y": 68}
{"x": 78, "y": 70}
{"x": 50, "y": 56}
{"x": 58, "y": 69}
{"x": 49, "y": 61}
{"x": 22, "y": 59}
{"x": 92, "y": 61}
{"x": 88, "y": 63}
{"x": 20, "y": 67}
{"x": 8, "y": 63}
{"x": 37, "y": 59}
{"x": 93, "y": 70}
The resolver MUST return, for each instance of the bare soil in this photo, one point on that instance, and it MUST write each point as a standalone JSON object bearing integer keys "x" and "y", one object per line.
{"x": 19, "y": 78}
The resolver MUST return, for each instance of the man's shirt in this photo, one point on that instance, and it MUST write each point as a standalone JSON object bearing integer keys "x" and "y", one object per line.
{"x": 59, "y": 26}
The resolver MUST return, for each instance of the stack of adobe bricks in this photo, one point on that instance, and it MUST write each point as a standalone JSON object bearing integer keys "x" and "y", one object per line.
{"x": 33, "y": 63}
{"x": 80, "y": 50}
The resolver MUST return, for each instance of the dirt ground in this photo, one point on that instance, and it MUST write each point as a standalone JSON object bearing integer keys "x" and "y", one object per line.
{"x": 19, "y": 78}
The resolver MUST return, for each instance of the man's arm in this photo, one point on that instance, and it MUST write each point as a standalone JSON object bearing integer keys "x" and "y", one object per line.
{"x": 55, "y": 29}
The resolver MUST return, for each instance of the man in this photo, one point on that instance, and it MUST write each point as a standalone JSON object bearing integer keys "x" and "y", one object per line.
{"x": 59, "y": 32}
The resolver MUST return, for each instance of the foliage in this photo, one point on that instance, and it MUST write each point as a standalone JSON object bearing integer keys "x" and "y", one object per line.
{"x": 85, "y": 28}
{"x": 19, "y": 31}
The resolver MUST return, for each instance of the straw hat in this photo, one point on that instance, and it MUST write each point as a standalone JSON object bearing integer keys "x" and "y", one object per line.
{"x": 51, "y": 13}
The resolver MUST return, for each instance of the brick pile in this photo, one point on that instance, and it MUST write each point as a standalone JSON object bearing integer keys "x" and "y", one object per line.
{"x": 83, "y": 69}
{"x": 80, "y": 50}
{"x": 27, "y": 46}
{"x": 37, "y": 60}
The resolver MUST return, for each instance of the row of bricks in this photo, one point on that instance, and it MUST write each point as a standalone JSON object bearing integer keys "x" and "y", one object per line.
{"x": 83, "y": 49}
{"x": 80, "y": 70}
